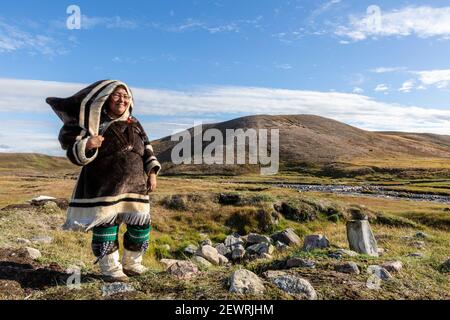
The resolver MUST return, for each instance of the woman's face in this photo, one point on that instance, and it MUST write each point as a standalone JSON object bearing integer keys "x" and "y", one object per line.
{"x": 118, "y": 102}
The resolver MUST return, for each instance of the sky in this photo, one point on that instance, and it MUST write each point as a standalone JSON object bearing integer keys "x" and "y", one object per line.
{"x": 377, "y": 65}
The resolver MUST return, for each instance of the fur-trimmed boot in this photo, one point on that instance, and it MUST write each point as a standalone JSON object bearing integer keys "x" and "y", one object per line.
{"x": 132, "y": 263}
{"x": 112, "y": 269}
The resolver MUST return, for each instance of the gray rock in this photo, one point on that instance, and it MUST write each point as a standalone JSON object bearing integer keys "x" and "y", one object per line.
{"x": 209, "y": 253}
{"x": 206, "y": 242}
{"x": 110, "y": 289}
{"x": 201, "y": 262}
{"x": 238, "y": 252}
{"x": 299, "y": 262}
{"x": 168, "y": 262}
{"x": 341, "y": 253}
{"x": 315, "y": 241}
{"x": 253, "y": 238}
{"x": 183, "y": 270}
{"x": 232, "y": 241}
{"x": 190, "y": 250}
{"x": 393, "y": 266}
{"x": 360, "y": 237}
{"x": 347, "y": 267}
{"x": 292, "y": 284}
{"x": 32, "y": 253}
{"x": 222, "y": 260}
{"x": 23, "y": 241}
{"x": 261, "y": 248}
{"x": 380, "y": 272}
{"x": 42, "y": 239}
{"x": 445, "y": 266}
{"x": 223, "y": 249}
{"x": 246, "y": 282}
{"x": 415, "y": 255}
{"x": 288, "y": 237}
{"x": 280, "y": 246}
{"x": 421, "y": 235}
{"x": 417, "y": 244}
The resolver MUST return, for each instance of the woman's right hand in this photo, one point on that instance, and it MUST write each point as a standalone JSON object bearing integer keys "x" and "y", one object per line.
{"x": 94, "y": 142}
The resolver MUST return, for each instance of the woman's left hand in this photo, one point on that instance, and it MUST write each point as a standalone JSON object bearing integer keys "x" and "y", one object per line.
{"x": 151, "y": 182}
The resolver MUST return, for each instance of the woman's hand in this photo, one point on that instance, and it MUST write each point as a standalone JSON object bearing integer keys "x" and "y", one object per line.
{"x": 151, "y": 182}
{"x": 94, "y": 142}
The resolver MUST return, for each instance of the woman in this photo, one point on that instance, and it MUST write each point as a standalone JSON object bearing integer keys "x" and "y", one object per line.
{"x": 119, "y": 169}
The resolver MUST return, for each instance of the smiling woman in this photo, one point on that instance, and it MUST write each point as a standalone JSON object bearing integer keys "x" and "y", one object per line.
{"x": 119, "y": 169}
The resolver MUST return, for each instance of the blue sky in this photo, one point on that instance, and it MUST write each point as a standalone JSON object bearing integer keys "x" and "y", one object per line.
{"x": 378, "y": 68}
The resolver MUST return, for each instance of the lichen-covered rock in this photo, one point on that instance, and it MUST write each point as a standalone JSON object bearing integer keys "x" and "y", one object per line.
{"x": 288, "y": 237}
{"x": 360, "y": 237}
{"x": 315, "y": 241}
{"x": 183, "y": 269}
{"x": 209, "y": 253}
{"x": 393, "y": 266}
{"x": 292, "y": 284}
{"x": 246, "y": 282}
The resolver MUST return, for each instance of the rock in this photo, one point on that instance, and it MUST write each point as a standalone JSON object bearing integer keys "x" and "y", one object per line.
{"x": 73, "y": 269}
{"x": 293, "y": 285}
{"x": 246, "y": 282}
{"x": 380, "y": 251}
{"x": 417, "y": 244}
{"x": 231, "y": 241}
{"x": 33, "y": 253}
{"x": 360, "y": 237}
{"x": 254, "y": 238}
{"x": 421, "y": 235}
{"x": 41, "y": 200}
{"x": 229, "y": 199}
{"x": 416, "y": 255}
{"x": 347, "y": 267}
{"x": 222, "y": 260}
{"x": 42, "y": 239}
{"x": 238, "y": 252}
{"x": 301, "y": 213}
{"x": 280, "y": 246}
{"x": 201, "y": 262}
{"x": 209, "y": 253}
{"x": 393, "y": 266}
{"x": 445, "y": 267}
{"x": 223, "y": 249}
{"x": 261, "y": 248}
{"x": 315, "y": 241}
{"x": 206, "y": 242}
{"x": 341, "y": 253}
{"x": 23, "y": 241}
{"x": 168, "y": 262}
{"x": 190, "y": 250}
{"x": 183, "y": 270}
{"x": 299, "y": 262}
{"x": 380, "y": 272}
{"x": 288, "y": 237}
{"x": 116, "y": 287}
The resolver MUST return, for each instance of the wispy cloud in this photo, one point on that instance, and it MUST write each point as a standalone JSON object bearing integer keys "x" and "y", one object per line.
{"x": 13, "y": 38}
{"x": 437, "y": 78}
{"x": 116, "y": 22}
{"x": 387, "y": 69}
{"x": 423, "y": 21}
{"x": 381, "y": 88}
{"x": 407, "y": 86}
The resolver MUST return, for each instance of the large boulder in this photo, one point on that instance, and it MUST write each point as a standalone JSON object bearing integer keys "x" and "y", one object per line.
{"x": 288, "y": 237}
{"x": 183, "y": 270}
{"x": 361, "y": 238}
{"x": 223, "y": 249}
{"x": 201, "y": 262}
{"x": 315, "y": 241}
{"x": 253, "y": 238}
{"x": 261, "y": 248}
{"x": 238, "y": 252}
{"x": 379, "y": 272}
{"x": 209, "y": 253}
{"x": 232, "y": 240}
{"x": 246, "y": 282}
{"x": 292, "y": 284}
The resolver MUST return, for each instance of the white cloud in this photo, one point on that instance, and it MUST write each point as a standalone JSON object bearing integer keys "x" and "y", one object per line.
{"x": 423, "y": 21}
{"x": 438, "y": 78}
{"x": 284, "y": 66}
{"x": 12, "y": 39}
{"x": 358, "y": 90}
{"x": 387, "y": 69}
{"x": 107, "y": 22}
{"x": 27, "y": 98}
{"x": 381, "y": 88}
{"x": 407, "y": 86}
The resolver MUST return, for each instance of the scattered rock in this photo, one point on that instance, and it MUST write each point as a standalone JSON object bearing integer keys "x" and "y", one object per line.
{"x": 209, "y": 253}
{"x": 183, "y": 269}
{"x": 32, "y": 253}
{"x": 380, "y": 272}
{"x": 261, "y": 248}
{"x": 393, "y": 266}
{"x": 246, "y": 282}
{"x": 445, "y": 267}
{"x": 291, "y": 284}
{"x": 288, "y": 237}
{"x": 23, "y": 241}
{"x": 223, "y": 249}
{"x": 341, "y": 253}
{"x": 42, "y": 239}
{"x": 280, "y": 246}
{"x": 254, "y": 238}
{"x": 417, "y": 244}
{"x": 41, "y": 200}
{"x": 168, "y": 262}
{"x": 190, "y": 250}
{"x": 299, "y": 262}
{"x": 201, "y": 262}
{"x": 206, "y": 242}
{"x": 360, "y": 237}
{"x": 315, "y": 241}
{"x": 347, "y": 267}
{"x": 238, "y": 252}
{"x": 110, "y": 289}
{"x": 416, "y": 255}
{"x": 222, "y": 260}
{"x": 421, "y": 235}
{"x": 231, "y": 241}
